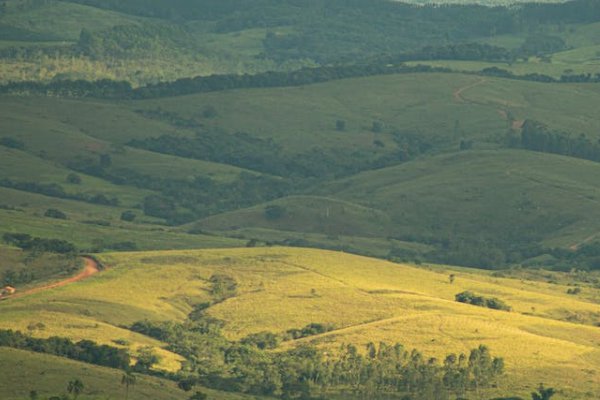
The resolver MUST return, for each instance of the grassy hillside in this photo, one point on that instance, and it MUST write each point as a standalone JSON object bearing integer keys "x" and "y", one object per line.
{"x": 364, "y": 299}
{"x": 49, "y": 376}
{"x": 532, "y": 194}
{"x": 213, "y": 155}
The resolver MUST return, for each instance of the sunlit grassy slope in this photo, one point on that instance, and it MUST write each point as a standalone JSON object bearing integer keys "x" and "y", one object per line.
{"x": 23, "y": 372}
{"x": 365, "y": 299}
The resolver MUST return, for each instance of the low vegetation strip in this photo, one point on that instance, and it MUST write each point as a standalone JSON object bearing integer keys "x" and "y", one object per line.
{"x": 481, "y": 301}
{"x": 84, "y": 350}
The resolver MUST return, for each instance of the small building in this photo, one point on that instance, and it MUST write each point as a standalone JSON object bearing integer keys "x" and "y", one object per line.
{"x": 7, "y": 291}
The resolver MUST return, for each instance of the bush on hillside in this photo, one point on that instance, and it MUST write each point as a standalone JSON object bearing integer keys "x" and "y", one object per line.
{"x": 54, "y": 213}
{"x": 480, "y": 301}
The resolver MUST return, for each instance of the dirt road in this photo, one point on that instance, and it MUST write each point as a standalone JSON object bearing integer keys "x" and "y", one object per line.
{"x": 458, "y": 93}
{"x": 91, "y": 268}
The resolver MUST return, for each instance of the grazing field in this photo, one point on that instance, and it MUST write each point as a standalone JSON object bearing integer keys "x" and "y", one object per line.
{"x": 547, "y": 337}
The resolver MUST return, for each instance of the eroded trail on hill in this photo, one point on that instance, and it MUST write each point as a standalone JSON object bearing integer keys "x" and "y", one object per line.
{"x": 459, "y": 97}
{"x": 91, "y": 268}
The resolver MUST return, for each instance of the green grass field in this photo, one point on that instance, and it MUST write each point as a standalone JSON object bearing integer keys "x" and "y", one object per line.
{"x": 365, "y": 299}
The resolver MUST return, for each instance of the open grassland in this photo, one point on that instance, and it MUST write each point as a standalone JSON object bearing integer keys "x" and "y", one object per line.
{"x": 365, "y": 299}
{"x": 443, "y": 106}
{"x": 23, "y": 371}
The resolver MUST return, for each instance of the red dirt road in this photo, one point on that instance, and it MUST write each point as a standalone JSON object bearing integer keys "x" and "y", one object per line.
{"x": 91, "y": 268}
{"x": 458, "y": 93}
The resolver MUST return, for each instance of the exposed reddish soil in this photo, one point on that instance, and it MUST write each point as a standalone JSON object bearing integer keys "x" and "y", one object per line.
{"x": 91, "y": 268}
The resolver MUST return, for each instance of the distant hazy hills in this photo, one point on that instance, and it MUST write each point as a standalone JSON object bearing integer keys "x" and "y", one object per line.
{"x": 483, "y": 2}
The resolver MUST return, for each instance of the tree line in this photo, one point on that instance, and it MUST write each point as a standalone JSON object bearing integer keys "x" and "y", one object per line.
{"x": 85, "y": 350}
{"x": 536, "y": 136}
{"x": 56, "y": 190}
{"x": 378, "y": 370}
{"x": 109, "y": 89}
{"x": 25, "y": 241}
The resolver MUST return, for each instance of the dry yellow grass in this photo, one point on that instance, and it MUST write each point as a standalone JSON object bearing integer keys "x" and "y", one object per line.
{"x": 365, "y": 299}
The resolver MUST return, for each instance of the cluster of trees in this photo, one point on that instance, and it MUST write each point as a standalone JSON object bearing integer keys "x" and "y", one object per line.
{"x": 307, "y": 372}
{"x": 481, "y": 301}
{"x": 84, "y": 350}
{"x": 56, "y": 190}
{"x": 537, "y": 136}
{"x": 586, "y": 257}
{"x": 270, "y": 340}
{"x": 122, "y": 90}
{"x": 27, "y": 242}
{"x": 536, "y": 77}
{"x": 13, "y": 278}
{"x": 183, "y": 200}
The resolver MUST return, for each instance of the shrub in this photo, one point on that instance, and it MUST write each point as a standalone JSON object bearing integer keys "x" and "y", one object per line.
{"x": 128, "y": 216}
{"x": 480, "y": 301}
{"x": 574, "y": 291}
{"x": 262, "y": 340}
{"x": 54, "y": 213}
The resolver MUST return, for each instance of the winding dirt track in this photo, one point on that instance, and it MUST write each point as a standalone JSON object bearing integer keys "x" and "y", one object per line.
{"x": 458, "y": 93}
{"x": 91, "y": 268}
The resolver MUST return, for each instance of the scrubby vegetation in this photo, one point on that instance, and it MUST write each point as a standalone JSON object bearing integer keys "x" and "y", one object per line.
{"x": 84, "y": 350}
{"x": 481, "y": 301}
{"x": 306, "y": 372}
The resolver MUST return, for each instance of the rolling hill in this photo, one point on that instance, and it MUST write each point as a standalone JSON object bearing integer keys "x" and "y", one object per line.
{"x": 393, "y": 176}
{"x": 281, "y": 289}
{"x": 190, "y": 192}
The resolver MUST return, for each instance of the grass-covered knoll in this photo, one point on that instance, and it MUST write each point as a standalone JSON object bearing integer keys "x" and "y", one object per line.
{"x": 364, "y": 299}
{"x": 305, "y": 214}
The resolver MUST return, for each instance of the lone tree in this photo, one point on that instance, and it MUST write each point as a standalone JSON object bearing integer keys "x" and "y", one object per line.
{"x": 128, "y": 379}
{"x": 75, "y": 387}
{"x": 543, "y": 393}
{"x": 340, "y": 125}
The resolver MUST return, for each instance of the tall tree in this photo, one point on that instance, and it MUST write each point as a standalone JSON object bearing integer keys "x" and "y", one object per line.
{"x": 128, "y": 379}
